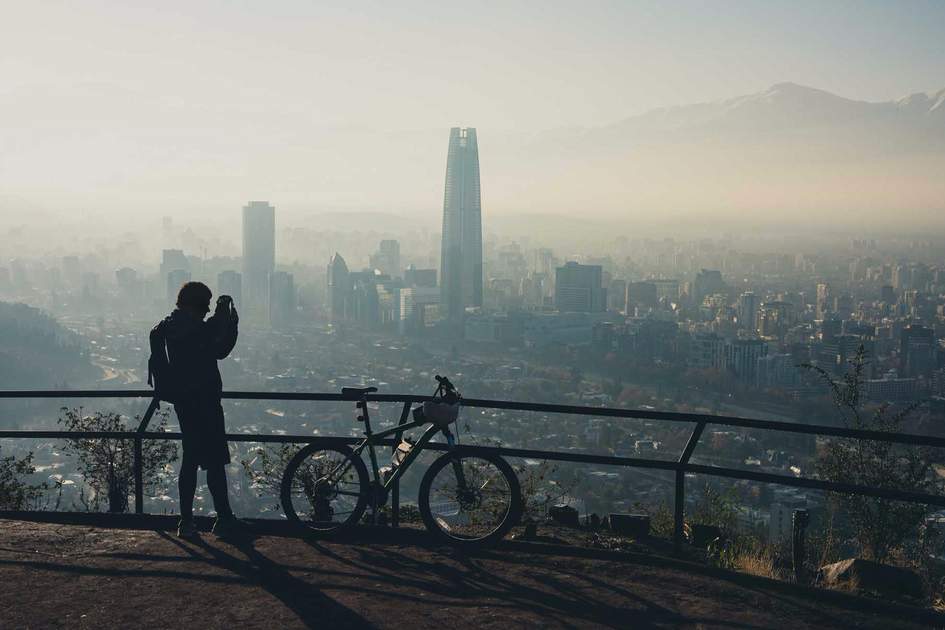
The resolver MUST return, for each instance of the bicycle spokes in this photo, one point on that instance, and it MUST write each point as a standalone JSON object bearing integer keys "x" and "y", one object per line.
{"x": 470, "y": 498}
{"x": 325, "y": 488}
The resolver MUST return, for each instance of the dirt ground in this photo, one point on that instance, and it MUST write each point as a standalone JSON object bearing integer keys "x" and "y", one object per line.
{"x": 82, "y": 575}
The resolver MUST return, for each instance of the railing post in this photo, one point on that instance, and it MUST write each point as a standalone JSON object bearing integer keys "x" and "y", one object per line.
{"x": 395, "y": 491}
{"x": 679, "y": 511}
{"x": 798, "y": 535}
{"x": 138, "y": 468}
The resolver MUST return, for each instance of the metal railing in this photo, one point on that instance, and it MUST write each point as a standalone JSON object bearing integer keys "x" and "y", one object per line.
{"x": 680, "y": 466}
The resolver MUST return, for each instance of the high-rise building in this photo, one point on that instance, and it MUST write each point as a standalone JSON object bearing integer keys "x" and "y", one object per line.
{"x": 171, "y": 260}
{"x": 917, "y": 350}
{"x": 282, "y": 300}
{"x": 887, "y": 294}
{"x": 418, "y": 308}
{"x": 775, "y": 319}
{"x": 707, "y": 282}
{"x": 640, "y": 295}
{"x": 387, "y": 258}
{"x": 175, "y": 280}
{"x": 901, "y": 277}
{"x": 748, "y": 311}
{"x": 823, "y": 306}
{"x": 461, "y": 248}
{"x": 617, "y": 295}
{"x": 339, "y": 289}
{"x": 231, "y": 283}
{"x": 667, "y": 288}
{"x": 707, "y": 351}
{"x": 259, "y": 258}
{"x": 578, "y": 288}
{"x": 414, "y": 277}
{"x": 741, "y": 357}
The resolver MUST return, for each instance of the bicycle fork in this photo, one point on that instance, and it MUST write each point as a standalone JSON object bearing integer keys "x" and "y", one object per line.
{"x": 455, "y": 462}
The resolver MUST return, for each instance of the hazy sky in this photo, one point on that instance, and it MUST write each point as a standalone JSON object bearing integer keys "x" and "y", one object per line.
{"x": 191, "y": 105}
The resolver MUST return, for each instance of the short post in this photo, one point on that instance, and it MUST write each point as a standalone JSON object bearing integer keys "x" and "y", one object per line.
{"x": 679, "y": 512}
{"x": 798, "y": 539}
{"x": 139, "y": 479}
{"x": 138, "y": 464}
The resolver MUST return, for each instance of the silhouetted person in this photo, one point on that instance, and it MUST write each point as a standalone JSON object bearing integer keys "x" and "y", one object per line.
{"x": 193, "y": 381}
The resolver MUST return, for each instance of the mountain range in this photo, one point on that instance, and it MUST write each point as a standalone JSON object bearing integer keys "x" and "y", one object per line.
{"x": 788, "y": 153}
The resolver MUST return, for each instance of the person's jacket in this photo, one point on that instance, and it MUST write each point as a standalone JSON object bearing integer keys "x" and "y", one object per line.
{"x": 193, "y": 348}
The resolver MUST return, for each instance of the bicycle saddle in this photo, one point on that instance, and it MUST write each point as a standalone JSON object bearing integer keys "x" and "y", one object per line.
{"x": 357, "y": 391}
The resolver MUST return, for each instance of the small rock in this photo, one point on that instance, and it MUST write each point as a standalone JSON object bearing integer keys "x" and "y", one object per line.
{"x": 531, "y": 530}
{"x": 702, "y": 535}
{"x": 633, "y": 525}
{"x": 869, "y": 576}
{"x": 565, "y": 515}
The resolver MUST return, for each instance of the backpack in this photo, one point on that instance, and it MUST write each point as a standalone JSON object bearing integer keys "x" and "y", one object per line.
{"x": 160, "y": 376}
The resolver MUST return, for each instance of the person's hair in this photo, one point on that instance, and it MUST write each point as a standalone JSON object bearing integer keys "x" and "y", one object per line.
{"x": 193, "y": 295}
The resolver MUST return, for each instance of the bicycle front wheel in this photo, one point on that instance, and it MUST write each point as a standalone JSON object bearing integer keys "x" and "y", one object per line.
{"x": 470, "y": 500}
{"x": 325, "y": 488}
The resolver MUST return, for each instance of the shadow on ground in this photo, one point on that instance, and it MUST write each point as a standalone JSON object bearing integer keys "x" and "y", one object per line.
{"x": 81, "y": 569}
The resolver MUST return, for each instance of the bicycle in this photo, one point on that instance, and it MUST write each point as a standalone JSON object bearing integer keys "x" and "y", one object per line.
{"x": 466, "y": 498}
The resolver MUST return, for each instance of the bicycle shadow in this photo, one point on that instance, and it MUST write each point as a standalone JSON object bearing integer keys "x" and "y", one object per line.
{"x": 457, "y": 580}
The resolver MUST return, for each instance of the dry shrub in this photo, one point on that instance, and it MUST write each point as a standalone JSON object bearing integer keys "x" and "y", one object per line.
{"x": 758, "y": 560}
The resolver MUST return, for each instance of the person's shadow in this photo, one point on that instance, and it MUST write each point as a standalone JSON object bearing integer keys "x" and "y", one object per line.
{"x": 314, "y": 608}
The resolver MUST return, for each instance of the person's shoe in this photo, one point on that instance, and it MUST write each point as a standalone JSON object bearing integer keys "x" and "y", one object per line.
{"x": 231, "y": 527}
{"x": 186, "y": 528}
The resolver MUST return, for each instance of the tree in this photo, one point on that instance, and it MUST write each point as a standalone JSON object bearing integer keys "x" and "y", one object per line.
{"x": 542, "y": 487}
{"x": 107, "y": 464}
{"x": 879, "y": 526}
{"x": 718, "y": 508}
{"x": 266, "y": 468}
{"x": 16, "y": 494}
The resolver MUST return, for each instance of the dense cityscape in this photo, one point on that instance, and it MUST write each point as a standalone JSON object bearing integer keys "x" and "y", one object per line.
{"x": 723, "y": 325}
{"x": 472, "y": 315}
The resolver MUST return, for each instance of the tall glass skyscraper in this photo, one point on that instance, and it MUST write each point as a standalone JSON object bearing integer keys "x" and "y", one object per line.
{"x": 259, "y": 258}
{"x": 461, "y": 251}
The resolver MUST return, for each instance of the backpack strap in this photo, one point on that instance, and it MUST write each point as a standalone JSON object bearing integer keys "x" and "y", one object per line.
{"x": 158, "y": 352}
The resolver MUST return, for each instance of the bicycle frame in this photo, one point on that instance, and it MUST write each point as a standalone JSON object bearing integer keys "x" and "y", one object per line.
{"x": 371, "y": 440}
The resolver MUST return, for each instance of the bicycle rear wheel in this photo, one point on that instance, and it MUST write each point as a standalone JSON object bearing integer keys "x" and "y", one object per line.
{"x": 325, "y": 488}
{"x": 469, "y": 499}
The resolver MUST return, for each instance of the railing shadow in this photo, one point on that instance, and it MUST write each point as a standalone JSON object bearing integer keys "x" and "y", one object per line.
{"x": 334, "y": 584}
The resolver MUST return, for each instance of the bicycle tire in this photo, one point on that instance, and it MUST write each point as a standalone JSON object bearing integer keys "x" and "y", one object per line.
{"x": 512, "y": 515}
{"x": 322, "y": 529}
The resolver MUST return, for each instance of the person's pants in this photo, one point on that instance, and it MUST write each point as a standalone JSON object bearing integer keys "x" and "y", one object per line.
{"x": 216, "y": 481}
{"x": 204, "y": 444}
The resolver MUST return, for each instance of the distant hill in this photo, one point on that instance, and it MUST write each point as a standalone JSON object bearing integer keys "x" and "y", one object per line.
{"x": 789, "y": 153}
{"x": 785, "y": 110}
{"x": 36, "y": 352}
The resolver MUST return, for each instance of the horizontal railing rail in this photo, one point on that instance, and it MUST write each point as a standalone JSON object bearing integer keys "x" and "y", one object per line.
{"x": 680, "y": 466}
